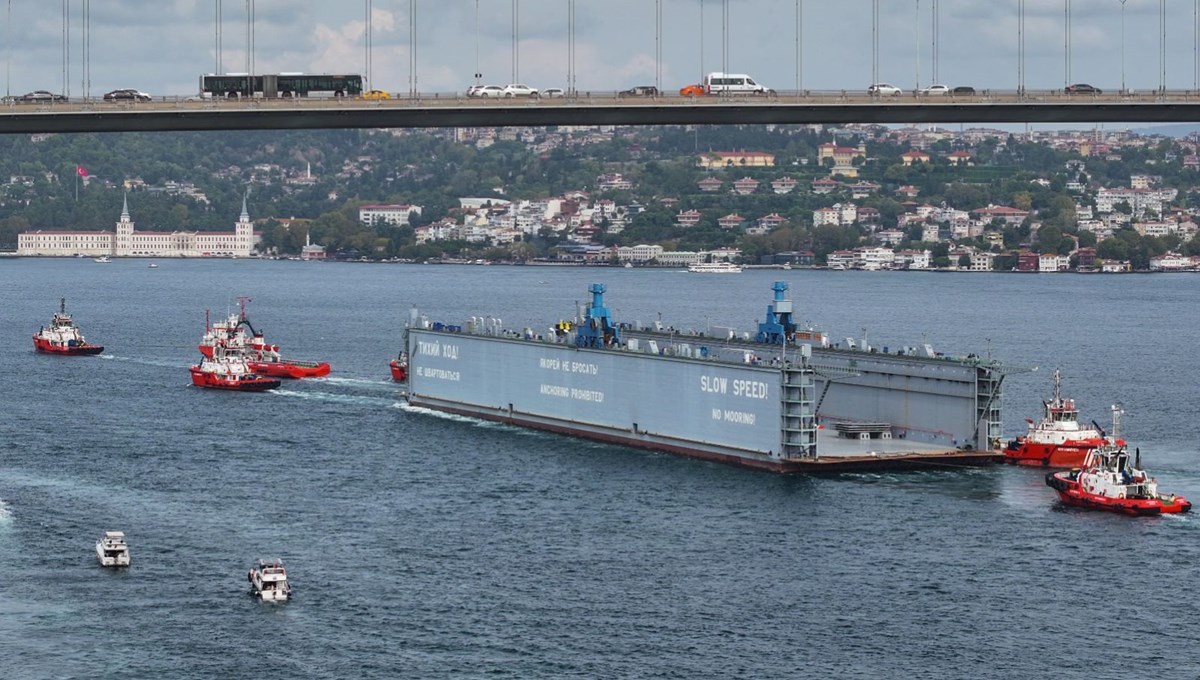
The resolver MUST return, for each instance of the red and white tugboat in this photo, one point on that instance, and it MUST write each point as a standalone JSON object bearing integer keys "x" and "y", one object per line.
{"x": 228, "y": 370}
{"x": 62, "y": 336}
{"x": 1107, "y": 481}
{"x": 1058, "y": 440}
{"x": 399, "y": 367}
{"x": 263, "y": 357}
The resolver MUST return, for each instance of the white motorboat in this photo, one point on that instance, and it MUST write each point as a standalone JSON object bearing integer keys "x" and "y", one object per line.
{"x": 103, "y": 259}
{"x": 111, "y": 550}
{"x": 269, "y": 581}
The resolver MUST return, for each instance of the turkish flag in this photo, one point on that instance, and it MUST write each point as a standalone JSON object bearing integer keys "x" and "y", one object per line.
{"x": 81, "y": 171}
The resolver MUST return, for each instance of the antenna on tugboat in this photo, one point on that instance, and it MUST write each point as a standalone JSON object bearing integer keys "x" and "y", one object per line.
{"x": 62, "y": 305}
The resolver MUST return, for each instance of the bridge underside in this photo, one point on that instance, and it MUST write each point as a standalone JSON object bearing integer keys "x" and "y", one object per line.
{"x": 156, "y": 117}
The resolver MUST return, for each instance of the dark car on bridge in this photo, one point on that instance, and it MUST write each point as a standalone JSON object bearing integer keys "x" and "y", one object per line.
{"x": 963, "y": 90}
{"x": 42, "y": 96}
{"x": 126, "y": 94}
{"x": 1082, "y": 88}
{"x": 639, "y": 91}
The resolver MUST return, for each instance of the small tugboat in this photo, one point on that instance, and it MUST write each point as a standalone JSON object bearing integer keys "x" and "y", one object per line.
{"x": 269, "y": 581}
{"x": 1107, "y": 481}
{"x": 111, "y": 550}
{"x": 262, "y": 357}
{"x": 63, "y": 336}
{"x": 228, "y": 370}
{"x": 1058, "y": 440}
{"x": 399, "y": 367}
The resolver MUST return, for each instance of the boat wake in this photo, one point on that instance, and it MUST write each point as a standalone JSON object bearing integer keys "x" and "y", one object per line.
{"x": 357, "y": 382}
{"x": 5, "y": 513}
{"x": 329, "y": 397}
{"x": 145, "y": 362}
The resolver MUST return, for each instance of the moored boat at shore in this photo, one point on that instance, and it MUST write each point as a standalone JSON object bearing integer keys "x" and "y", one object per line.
{"x": 1058, "y": 440}
{"x": 62, "y": 336}
{"x": 1107, "y": 481}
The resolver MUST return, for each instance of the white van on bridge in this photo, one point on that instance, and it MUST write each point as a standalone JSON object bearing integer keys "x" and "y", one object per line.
{"x": 734, "y": 83}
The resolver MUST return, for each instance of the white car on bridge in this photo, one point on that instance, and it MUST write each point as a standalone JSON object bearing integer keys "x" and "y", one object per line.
{"x": 884, "y": 90}
{"x": 485, "y": 91}
{"x": 516, "y": 90}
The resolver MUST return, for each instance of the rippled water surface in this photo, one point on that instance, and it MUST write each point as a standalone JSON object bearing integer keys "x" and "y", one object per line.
{"x": 428, "y": 546}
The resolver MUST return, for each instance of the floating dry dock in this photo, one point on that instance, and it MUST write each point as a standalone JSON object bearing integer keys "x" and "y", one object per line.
{"x": 773, "y": 401}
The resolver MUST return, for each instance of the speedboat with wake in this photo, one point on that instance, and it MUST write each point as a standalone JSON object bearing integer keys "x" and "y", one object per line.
{"x": 62, "y": 336}
{"x": 262, "y": 357}
{"x": 1058, "y": 440}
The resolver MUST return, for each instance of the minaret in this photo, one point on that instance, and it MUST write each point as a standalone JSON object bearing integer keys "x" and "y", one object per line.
{"x": 243, "y": 231}
{"x": 123, "y": 244}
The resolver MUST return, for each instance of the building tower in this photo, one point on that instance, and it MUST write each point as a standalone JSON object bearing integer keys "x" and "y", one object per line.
{"x": 123, "y": 243}
{"x": 243, "y": 232}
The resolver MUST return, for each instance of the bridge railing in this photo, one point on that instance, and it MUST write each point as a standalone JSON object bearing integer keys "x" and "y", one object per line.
{"x": 614, "y": 98}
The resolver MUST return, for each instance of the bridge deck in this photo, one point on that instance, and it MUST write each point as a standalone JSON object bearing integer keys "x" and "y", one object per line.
{"x": 452, "y": 110}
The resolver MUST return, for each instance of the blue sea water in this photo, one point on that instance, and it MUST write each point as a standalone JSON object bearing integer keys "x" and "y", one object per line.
{"x": 428, "y": 546}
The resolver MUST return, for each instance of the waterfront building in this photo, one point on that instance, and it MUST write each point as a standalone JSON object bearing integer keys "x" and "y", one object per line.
{"x": 125, "y": 241}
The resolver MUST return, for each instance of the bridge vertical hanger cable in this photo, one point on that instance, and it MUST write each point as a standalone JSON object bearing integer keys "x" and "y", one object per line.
{"x": 66, "y": 48}
{"x": 1162, "y": 46}
{"x": 571, "y": 45}
{"x": 917, "y": 44}
{"x": 1066, "y": 43}
{"x": 88, "y": 44}
{"x": 701, "y": 3}
{"x": 512, "y": 57}
{"x": 934, "y": 46}
{"x": 1123, "y": 46}
{"x": 8, "y": 51}
{"x": 799, "y": 48}
{"x": 725, "y": 36}
{"x": 874, "y": 41}
{"x": 412, "y": 49}
{"x": 1021, "y": 47}
{"x": 479, "y": 75}
{"x": 658, "y": 29}
{"x": 367, "y": 42}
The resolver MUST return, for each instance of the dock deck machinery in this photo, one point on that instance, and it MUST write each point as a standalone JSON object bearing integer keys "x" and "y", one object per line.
{"x": 765, "y": 402}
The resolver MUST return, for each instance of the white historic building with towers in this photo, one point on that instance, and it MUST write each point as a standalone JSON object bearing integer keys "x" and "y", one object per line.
{"x": 126, "y": 242}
